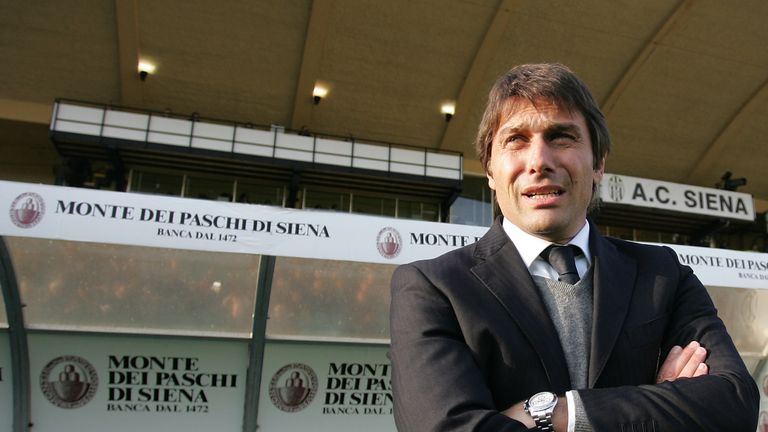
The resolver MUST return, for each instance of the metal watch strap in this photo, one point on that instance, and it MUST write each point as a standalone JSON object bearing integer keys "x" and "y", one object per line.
{"x": 544, "y": 421}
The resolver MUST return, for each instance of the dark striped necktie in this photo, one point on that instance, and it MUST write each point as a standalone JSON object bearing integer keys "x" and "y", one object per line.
{"x": 561, "y": 258}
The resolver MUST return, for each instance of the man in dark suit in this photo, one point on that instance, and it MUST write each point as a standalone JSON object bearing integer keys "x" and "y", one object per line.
{"x": 546, "y": 324}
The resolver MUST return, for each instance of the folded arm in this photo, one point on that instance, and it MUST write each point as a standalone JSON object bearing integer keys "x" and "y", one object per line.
{"x": 682, "y": 362}
{"x": 721, "y": 397}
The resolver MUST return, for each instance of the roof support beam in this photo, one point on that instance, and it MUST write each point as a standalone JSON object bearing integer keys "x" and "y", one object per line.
{"x": 643, "y": 56}
{"x": 126, "y": 17}
{"x": 711, "y": 155}
{"x": 25, "y": 111}
{"x": 475, "y": 83}
{"x": 314, "y": 45}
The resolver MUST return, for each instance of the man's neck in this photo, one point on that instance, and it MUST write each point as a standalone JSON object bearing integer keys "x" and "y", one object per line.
{"x": 530, "y": 246}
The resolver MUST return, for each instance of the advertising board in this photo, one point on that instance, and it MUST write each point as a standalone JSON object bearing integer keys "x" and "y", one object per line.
{"x": 325, "y": 387}
{"x": 126, "y": 383}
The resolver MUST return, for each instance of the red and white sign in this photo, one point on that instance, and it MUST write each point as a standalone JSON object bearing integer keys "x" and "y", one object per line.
{"x": 86, "y": 215}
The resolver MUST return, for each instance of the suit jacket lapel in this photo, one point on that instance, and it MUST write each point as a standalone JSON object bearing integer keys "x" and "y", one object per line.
{"x": 503, "y": 272}
{"x": 614, "y": 280}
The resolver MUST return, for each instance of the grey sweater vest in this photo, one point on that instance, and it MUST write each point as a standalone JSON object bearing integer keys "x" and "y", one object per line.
{"x": 570, "y": 308}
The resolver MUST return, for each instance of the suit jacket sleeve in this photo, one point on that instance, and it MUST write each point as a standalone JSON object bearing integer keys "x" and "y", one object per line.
{"x": 437, "y": 383}
{"x": 725, "y": 400}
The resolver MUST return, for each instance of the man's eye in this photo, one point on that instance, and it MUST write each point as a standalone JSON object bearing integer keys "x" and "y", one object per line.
{"x": 563, "y": 139}
{"x": 515, "y": 140}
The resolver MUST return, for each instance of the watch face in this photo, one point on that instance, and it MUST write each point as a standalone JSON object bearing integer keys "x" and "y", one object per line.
{"x": 541, "y": 399}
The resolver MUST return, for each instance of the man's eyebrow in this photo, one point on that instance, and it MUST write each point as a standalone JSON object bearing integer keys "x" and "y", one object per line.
{"x": 510, "y": 129}
{"x": 570, "y": 128}
{"x": 553, "y": 127}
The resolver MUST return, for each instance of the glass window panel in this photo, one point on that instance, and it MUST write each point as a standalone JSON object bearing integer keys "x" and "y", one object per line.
{"x": 323, "y": 298}
{"x": 418, "y": 210}
{"x": 326, "y": 200}
{"x": 373, "y": 205}
{"x": 619, "y": 232}
{"x": 75, "y": 285}
{"x": 262, "y": 193}
{"x": 210, "y": 189}
{"x": 473, "y": 206}
{"x": 156, "y": 183}
{"x": 672, "y": 238}
{"x": 646, "y": 236}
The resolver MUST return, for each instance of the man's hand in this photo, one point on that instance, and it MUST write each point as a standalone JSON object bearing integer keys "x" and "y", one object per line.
{"x": 685, "y": 362}
{"x": 517, "y": 412}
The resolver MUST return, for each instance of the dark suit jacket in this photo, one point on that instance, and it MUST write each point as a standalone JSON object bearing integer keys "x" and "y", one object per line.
{"x": 471, "y": 336}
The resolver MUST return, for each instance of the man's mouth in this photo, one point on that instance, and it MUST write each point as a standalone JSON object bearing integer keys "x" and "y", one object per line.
{"x": 544, "y": 194}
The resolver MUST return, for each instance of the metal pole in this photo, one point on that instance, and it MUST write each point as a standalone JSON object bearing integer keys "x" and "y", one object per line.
{"x": 258, "y": 339}
{"x": 18, "y": 341}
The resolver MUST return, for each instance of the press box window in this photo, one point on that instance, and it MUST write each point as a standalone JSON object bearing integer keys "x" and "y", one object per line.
{"x": 260, "y": 193}
{"x": 210, "y": 189}
{"x": 319, "y": 199}
{"x": 156, "y": 183}
{"x": 372, "y": 205}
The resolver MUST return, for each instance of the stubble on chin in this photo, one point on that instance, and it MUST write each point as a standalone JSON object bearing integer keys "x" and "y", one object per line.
{"x": 548, "y": 227}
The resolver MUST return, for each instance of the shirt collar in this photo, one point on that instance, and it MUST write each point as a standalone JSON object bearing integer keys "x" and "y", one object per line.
{"x": 530, "y": 246}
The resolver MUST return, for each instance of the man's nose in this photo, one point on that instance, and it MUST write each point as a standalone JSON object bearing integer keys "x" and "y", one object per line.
{"x": 540, "y": 155}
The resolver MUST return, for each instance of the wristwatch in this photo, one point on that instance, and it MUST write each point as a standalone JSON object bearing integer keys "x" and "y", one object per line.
{"x": 541, "y": 406}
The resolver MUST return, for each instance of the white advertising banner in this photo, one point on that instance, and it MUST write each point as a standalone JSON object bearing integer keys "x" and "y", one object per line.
{"x": 325, "y": 388}
{"x": 149, "y": 220}
{"x": 84, "y": 382}
{"x": 642, "y": 192}
{"x": 86, "y": 215}
{"x": 6, "y": 383}
{"x": 725, "y": 268}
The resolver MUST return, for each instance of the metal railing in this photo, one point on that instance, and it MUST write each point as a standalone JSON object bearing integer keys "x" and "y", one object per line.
{"x": 235, "y": 138}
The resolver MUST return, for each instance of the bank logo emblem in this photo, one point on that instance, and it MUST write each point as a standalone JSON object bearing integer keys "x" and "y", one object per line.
{"x": 27, "y": 210}
{"x": 389, "y": 243}
{"x": 616, "y": 188}
{"x": 293, "y": 387}
{"x": 69, "y": 381}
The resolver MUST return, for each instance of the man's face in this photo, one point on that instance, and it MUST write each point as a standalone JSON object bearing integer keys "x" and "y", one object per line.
{"x": 541, "y": 168}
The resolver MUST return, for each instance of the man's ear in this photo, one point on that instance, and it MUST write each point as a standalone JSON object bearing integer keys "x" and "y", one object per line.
{"x": 597, "y": 176}
{"x": 491, "y": 181}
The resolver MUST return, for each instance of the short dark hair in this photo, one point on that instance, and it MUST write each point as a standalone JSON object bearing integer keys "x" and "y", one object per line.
{"x": 551, "y": 82}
